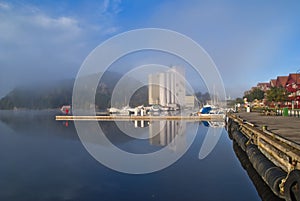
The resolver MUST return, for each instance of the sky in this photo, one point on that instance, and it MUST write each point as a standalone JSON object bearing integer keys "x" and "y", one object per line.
{"x": 249, "y": 41}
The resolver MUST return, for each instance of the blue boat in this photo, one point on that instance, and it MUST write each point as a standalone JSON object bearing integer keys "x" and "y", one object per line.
{"x": 205, "y": 109}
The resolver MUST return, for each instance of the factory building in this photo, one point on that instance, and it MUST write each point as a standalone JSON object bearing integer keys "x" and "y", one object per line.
{"x": 167, "y": 88}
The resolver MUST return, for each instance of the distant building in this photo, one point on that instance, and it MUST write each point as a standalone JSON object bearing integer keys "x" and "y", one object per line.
{"x": 190, "y": 101}
{"x": 167, "y": 88}
{"x": 292, "y": 85}
{"x": 293, "y": 82}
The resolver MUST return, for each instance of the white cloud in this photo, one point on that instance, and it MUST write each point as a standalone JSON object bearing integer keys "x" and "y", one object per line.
{"x": 5, "y": 6}
{"x": 66, "y": 26}
{"x": 50, "y": 22}
{"x": 38, "y": 31}
{"x": 116, "y": 6}
{"x": 111, "y": 7}
{"x": 105, "y": 6}
{"x": 38, "y": 43}
{"x": 35, "y": 45}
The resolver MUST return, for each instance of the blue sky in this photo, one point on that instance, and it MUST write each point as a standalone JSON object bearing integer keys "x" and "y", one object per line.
{"x": 250, "y": 41}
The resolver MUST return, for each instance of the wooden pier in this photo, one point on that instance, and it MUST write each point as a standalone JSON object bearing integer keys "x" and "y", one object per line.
{"x": 281, "y": 133}
{"x": 286, "y": 127}
{"x": 278, "y": 139}
{"x": 139, "y": 118}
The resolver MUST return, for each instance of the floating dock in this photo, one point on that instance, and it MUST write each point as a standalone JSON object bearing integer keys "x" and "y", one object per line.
{"x": 139, "y": 118}
{"x": 272, "y": 144}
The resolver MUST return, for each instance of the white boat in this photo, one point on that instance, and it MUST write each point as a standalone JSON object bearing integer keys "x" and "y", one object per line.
{"x": 124, "y": 111}
{"x": 155, "y": 108}
{"x": 113, "y": 110}
{"x": 164, "y": 108}
{"x": 211, "y": 111}
{"x": 206, "y": 109}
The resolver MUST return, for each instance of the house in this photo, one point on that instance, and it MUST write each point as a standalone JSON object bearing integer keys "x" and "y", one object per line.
{"x": 281, "y": 81}
{"x": 264, "y": 86}
{"x": 291, "y": 83}
{"x": 293, "y": 86}
{"x": 273, "y": 83}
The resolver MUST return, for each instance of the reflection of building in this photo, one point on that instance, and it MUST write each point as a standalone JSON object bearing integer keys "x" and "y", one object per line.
{"x": 167, "y": 88}
{"x": 141, "y": 123}
{"x": 162, "y": 133}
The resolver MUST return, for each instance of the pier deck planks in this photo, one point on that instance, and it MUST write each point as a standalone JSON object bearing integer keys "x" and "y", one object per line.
{"x": 287, "y": 127}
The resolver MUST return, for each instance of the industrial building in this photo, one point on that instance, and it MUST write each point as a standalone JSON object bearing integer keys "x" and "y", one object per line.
{"x": 167, "y": 88}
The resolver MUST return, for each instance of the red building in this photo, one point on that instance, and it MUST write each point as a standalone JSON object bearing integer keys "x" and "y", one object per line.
{"x": 273, "y": 83}
{"x": 291, "y": 83}
{"x": 264, "y": 86}
{"x": 281, "y": 81}
{"x": 293, "y": 87}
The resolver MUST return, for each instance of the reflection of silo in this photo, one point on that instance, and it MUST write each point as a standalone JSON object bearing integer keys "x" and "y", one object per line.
{"x": 173, "y": 133}
{"x": 162, "y": 133}
{"x": 168, "y": 131}
{"x": 157, "y": 133}
{"x": 179, "y": 143}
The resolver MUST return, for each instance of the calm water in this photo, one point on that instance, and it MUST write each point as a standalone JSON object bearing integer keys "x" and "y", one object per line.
{"x": 42, "y": 159}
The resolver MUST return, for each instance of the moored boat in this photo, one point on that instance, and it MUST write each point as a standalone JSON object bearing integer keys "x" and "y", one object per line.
{"x": 66, "y": 109}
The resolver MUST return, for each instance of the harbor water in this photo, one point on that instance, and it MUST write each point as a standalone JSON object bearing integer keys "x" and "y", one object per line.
{"x": 44, "y": 159}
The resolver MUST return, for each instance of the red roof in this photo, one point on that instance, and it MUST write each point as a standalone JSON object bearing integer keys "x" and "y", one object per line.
{"x": 273, "y": 82}
{"x": 263, "y": 84}
{"x": 293, "y": 78}
{"x": 292, "y": 84}
{"x": 282, "y": 81}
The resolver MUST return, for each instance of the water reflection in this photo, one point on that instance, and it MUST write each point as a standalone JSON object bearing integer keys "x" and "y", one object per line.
{"x": 42, "y": 159}
{"x": 66, "y": 123}
{"x": 162, "y": 133}
{"x": 212, "y": 137}
{"x": 38, "y": 124}
{"x": 171, "y": 133}
{"x": 214, "y": 124}
{"x": 141, "y": 124}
